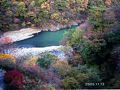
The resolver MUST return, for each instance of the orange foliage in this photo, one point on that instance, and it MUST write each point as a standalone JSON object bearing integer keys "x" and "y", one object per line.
{"x": 7, "y": 56}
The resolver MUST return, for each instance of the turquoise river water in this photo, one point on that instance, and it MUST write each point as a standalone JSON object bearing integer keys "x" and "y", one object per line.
{"x": 44, "y": 39}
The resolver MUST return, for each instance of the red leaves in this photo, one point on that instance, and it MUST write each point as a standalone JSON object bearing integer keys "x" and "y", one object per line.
{"x": 5, "y": 40}
{"x": 14, "y": 78}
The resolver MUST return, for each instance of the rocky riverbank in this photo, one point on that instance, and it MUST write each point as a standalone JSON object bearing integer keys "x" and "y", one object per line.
{"x": 13, "y": 36}
{"x": 23, "y": 52}
{"x": 25, "y": 33}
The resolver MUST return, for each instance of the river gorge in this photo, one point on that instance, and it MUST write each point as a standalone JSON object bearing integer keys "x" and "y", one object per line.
{"x": 44, "y": 38}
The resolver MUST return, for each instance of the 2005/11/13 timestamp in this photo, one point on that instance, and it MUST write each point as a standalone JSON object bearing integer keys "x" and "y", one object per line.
{"x": 95, "y": 84}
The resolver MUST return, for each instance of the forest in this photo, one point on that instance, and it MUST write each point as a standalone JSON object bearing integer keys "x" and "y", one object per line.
{"x": 59, "y": 44}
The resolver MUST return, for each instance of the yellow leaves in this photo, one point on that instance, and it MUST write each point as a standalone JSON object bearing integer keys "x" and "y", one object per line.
{"x": 62, "y": 65}
{"x": 65, "y": 21}
{"x": 32, "y": 61}
{"x": 55, "y": 15}
{"x": 45, "y": 5}
{"x": 31, "y": 14}
{"x": 81, "y": 77}
{"x": 81, "y": 5}
{"x": 79, "y": 30}
{"x": 21, "y": 4}
{"x": 7, "y": 56}
{"x": 71, "y": 1}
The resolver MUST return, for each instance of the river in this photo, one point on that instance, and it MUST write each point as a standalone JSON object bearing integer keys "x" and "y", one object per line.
{"x": 44, "y": 39}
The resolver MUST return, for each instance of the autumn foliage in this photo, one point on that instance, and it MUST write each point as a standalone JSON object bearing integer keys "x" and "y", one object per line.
{"x": 7, "y": 56}
{"x": 14, "y": 78}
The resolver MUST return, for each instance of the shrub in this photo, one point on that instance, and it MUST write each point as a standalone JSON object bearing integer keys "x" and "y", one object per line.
{"x": 46, "y": 61}
{"x": 70, "y": 83}
{"x": 31, "y": 61}
{"x": 80, "y": 75}
{"x": 96, "y": 17}
{"x": 62, "y": 67}
{"x": 91, "y": 74}
{"x": 21, "y": 9}
{"x": 92, "y": 48}
{"x": 113, "y": 37}
{"x": 14, "y": 79}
